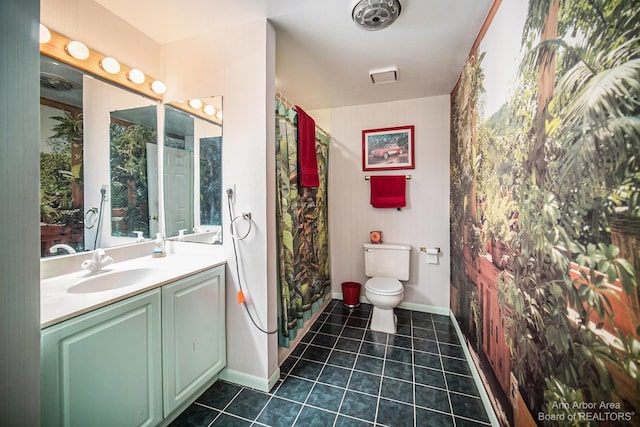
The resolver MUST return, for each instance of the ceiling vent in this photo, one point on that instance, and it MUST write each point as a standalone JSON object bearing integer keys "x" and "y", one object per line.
{"x": 386, "y": 75}
{"x": 372, "y": 15}
{"x": 53, "y": 82}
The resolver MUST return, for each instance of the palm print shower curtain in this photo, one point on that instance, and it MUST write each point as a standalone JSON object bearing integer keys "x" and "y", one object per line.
{"x": 301, "y": 212}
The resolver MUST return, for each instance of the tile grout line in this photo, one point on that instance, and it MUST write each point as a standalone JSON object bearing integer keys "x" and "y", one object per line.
{"x": 444, "y": 374}
{"x": 324, "y": 365}
{"x": 346, "y": 387}
{"x": 324, "y": 322}
{"x": 413, "y": 372}
{"x": 384, "y": 361}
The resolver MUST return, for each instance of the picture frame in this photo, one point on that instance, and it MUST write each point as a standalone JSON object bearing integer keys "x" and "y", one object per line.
{"x": 388, "y": 148}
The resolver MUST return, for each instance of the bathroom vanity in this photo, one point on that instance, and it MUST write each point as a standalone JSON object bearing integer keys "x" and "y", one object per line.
{"x": 133, "y": 345}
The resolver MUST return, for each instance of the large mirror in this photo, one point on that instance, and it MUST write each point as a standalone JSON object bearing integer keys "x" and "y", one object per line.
{"x": 192, "y": 168}
{"x": 86, "y": 125}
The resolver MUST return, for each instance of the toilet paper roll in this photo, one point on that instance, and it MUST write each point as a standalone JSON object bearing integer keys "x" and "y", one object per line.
{"x": 432, "y": 256}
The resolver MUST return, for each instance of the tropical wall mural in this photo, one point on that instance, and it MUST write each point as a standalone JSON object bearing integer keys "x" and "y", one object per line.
{"x": 545, "y": 233}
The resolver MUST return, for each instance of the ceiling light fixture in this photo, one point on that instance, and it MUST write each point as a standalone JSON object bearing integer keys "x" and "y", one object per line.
{"x": 372, "y": 15}
{"x": 45, "y": 34}
{"x": 77, "y": 50}
{"x": 384, "y": 75}
{"x": 136, "y": 76}
{"x": 110, "y": 65}
{"x": 158, "y": 87}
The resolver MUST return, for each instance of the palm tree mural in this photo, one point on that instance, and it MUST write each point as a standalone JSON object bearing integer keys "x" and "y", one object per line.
{"x": 572, "y": 129}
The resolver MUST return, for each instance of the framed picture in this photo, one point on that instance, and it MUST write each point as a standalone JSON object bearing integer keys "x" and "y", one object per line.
{"x": 388, "y": 148}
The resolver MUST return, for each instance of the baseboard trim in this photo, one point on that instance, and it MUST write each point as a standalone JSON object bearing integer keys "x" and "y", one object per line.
{"x": 251, "y": 381}
{"x": 425, "y": 308}
{"x": 474, "y": 372}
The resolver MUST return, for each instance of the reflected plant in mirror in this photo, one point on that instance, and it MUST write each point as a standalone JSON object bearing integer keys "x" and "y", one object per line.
{"x": 131, "y": 132}
{"x": 61, "y": 159}
{"x": 211, "y": 180}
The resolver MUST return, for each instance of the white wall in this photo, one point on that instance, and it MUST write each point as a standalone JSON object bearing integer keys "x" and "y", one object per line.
{"x": 237, "y": 62}
{"x": 425, "y": 220}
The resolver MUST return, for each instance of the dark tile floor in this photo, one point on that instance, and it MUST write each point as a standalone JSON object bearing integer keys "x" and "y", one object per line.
{"x": 343, "y": 374}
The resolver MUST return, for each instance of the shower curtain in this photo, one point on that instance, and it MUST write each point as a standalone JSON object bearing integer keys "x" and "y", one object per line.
{"x": 301, "y": 216}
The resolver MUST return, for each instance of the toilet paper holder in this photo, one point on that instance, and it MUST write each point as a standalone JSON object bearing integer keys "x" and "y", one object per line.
{"x": 433, "y": 251}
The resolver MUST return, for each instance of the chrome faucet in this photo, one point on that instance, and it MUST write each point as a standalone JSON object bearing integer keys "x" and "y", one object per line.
{"x": 53, "y": 249}
{"x": 98, "y": 261}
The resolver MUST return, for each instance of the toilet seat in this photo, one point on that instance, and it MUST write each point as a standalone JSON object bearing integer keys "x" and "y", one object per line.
{"x": 384, "y": 286}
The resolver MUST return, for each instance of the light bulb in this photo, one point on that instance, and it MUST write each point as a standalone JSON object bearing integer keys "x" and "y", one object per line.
{"x": 209, "y": 110}
{"x": 110, "y": 65}
{"x": 136, "y": 76}
{"x": 45, "y": 34}
{"x": 158, "y": 87}
{"x": 77, "y": 49}
{"x": 195, "y": 103}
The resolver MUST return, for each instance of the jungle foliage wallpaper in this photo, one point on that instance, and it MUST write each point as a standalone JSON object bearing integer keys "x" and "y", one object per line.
{"x": 545, "y": 232}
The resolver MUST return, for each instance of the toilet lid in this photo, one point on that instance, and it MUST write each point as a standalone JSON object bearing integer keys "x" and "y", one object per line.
{"x": 384, "y": 285}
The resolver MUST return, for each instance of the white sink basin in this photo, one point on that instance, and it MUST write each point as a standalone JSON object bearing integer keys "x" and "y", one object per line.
{"x": 109, "y": 280}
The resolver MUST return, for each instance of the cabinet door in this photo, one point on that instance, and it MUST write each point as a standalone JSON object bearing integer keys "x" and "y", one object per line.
{"x": 104, "y": 368}
{"x": 193, "y": 335}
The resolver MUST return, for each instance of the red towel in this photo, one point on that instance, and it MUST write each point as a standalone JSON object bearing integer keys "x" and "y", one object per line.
{"x": 388, "y": 191}
{"x": 307, "y": 160}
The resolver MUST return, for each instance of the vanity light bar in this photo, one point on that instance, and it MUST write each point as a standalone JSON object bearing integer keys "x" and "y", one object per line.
{"x": 202, "y": 112}
{"x": 58, "y": 48}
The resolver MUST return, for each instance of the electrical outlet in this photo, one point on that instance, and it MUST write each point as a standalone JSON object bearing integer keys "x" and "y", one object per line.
{"x": 230, "y": 191}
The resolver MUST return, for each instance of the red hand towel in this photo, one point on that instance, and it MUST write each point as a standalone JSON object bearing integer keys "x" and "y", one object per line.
{"x": 388, "y": 191}
{"x": 307, "y": 160}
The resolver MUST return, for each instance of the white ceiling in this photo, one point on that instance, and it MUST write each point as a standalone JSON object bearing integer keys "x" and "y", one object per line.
{"x": 322, "y": 59}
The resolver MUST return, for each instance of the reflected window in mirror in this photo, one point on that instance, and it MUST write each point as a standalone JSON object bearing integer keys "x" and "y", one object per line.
{"x": 133, "y": 156}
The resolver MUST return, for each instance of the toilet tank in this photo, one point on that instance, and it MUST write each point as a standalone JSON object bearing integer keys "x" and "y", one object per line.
{"x": 387, "y": 260}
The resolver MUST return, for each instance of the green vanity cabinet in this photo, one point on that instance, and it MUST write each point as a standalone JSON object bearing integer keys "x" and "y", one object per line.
{"x": 137, "y": 362}
{"x": 193, "y": 335}
{"x": 104, "y": 368}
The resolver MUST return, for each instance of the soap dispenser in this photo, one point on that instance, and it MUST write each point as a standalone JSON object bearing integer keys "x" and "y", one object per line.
{"x": 159, "y": 250}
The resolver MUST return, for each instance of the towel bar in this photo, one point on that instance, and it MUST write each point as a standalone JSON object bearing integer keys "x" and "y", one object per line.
{"x": 367, "y": 177}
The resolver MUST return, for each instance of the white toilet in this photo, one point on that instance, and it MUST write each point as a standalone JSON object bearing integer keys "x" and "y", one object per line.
{"x": 386, "y": 264}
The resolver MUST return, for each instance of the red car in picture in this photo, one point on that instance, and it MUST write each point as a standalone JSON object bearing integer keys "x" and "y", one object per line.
{"x": 387, "y": 150}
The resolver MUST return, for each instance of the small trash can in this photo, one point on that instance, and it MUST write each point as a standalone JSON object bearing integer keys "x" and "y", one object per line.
{"x": 351, "y": 294}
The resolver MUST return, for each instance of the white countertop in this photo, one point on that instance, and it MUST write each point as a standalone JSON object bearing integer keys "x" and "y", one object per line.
{"x": 57, "y": 303}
